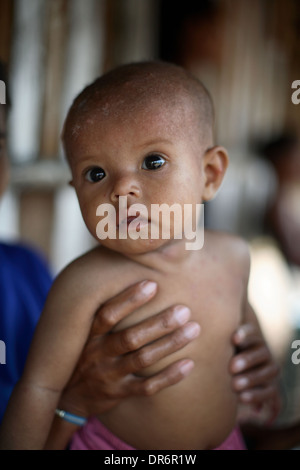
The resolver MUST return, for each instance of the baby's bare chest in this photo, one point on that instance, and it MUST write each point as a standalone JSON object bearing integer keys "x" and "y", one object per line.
{"x": 215, "y": 299}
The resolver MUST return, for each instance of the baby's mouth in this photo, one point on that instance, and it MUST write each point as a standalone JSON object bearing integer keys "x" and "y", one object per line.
{"x": 130, "y": 218}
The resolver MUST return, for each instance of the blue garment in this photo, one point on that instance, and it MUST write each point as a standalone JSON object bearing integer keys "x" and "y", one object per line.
{"x": 24, "y": 284}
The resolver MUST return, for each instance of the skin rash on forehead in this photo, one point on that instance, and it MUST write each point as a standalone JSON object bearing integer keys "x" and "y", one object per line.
{"x": 155, "y": 119}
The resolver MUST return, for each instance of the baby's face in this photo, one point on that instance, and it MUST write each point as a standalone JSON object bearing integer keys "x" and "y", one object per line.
{"x": 3, "y": 156}
{"x": 151, "y": 157}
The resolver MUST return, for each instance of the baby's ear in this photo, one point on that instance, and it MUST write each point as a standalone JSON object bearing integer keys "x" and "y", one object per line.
{"x": 71, "y": 183}
{"x": 215, "y": 163}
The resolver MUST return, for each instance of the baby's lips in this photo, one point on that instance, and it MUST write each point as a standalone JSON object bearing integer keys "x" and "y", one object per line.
{"x": 130, "y": 219}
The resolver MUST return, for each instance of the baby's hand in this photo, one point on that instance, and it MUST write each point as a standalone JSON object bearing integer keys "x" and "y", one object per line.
{"x": 255, "y": 372}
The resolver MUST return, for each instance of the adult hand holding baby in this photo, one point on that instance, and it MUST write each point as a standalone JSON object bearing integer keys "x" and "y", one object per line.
{"x": 105, "y": 373}
{"x": 109, "y": 362}
{"x": 255, "y": 372}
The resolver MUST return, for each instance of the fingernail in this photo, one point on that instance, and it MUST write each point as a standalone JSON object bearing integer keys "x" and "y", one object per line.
{"x": 241, "y": 382}
{"x": 148, "y": 287}
{"x": 182, "y": 314}
{"x": 186, "y": 367}
{"x": 246, "y": 396}
{"x": 192, "y": 330}
{"x": 239, "y": 365}
{"x": 240, "y": 335}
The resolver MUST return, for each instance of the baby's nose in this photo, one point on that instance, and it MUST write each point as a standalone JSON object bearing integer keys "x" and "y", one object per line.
{"x": 125, "y": 186}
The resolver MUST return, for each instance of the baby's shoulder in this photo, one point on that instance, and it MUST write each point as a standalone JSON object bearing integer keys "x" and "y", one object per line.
{"x": 96, "y": 260}
{"x": 90, "y": 272}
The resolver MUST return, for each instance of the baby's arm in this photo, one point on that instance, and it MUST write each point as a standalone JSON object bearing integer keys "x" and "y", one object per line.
{"x": 60, "y": 336}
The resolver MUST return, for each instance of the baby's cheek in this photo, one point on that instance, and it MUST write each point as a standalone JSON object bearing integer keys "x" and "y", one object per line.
{"x": 89, "y": 214}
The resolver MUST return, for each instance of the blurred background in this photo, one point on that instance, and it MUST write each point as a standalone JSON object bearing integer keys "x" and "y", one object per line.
{"x": 247, "y": 54}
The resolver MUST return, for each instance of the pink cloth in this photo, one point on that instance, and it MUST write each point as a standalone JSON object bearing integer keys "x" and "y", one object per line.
{"x": 95, "y": 436}
{"x": 234, "y": 441}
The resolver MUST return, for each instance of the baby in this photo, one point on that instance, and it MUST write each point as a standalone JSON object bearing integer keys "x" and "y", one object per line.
{"x": 141, "y": 134}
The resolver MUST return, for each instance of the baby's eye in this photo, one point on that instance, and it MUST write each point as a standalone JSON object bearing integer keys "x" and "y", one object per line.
{"x": 95, "y": 174}
{"x": 153, "y": 162}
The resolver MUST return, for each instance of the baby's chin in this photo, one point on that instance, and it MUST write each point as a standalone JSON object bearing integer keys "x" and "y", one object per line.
{"x": 129, "y": 247}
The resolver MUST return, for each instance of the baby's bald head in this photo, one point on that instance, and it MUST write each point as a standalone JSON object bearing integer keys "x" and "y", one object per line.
{"x": 132, "y": 88}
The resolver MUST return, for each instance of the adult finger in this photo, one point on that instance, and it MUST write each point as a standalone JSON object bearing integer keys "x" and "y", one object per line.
{"x": 247, "y": 335}
{"x": 258, "y": 395}
{"x": 167, "y": 377}
{"x": 249, "y": 358}
{"x": 145, "y": 332}
{"x": 258, "y": 376}
{"x": 152, "y": 353}
{"x": 118, "y": 307}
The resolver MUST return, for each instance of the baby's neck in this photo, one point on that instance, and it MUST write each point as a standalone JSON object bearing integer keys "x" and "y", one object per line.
{"x": 165, "y": 258}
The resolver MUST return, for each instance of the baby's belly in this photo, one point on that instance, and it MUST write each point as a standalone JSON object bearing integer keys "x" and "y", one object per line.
{"x": 200, "y": 411}
{"x": 197, "y": 413}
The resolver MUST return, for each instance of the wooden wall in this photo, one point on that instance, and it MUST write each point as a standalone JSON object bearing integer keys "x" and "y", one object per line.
{"x": 54, "y": 48}
{"x": 246, "y": 52}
